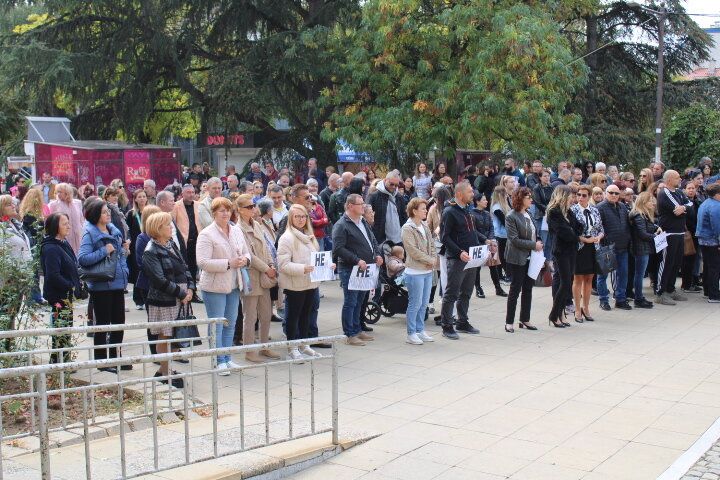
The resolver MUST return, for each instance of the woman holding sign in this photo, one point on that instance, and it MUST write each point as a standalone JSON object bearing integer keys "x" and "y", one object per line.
{"x": 257, "y": 305}
{"x": 420, "y": 262}
{"x": 295, "y": 247}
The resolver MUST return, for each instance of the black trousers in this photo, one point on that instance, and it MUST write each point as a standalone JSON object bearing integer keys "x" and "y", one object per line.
{"x": 670, "y": 262}
{"x": 564, "y": 269}
{"x": 297, "y": 316}
{"x": 504, "y": 267}
{"x": 688, "y": 264}
{"x": 192, "y": 261}
{"x": 711, "y": 272}
{"x": 62, "y": 316}
{"x": 494, "y": 276}
{"x": 521, "y": 283}
{"x": 108, "y": 309}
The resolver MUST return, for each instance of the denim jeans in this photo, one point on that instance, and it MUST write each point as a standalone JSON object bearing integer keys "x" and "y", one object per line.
{"x": 641, "y": 263}
{"x": 620, "y": 280}
{"x": 418, "y": 288}
{"x": 223, "y": 305}
{"x": 352, "y": 304}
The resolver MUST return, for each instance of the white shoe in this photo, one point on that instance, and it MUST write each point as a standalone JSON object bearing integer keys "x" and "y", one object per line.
{"x": 414, "y": 339}
{"x": 223, "y": 367}
{"x": 306, "y": 350}
{"x": 295, "y": 354}
{"x": 140, "y": 307}
{"x": 425, "y": 337}
{"x": 232, "y": 364}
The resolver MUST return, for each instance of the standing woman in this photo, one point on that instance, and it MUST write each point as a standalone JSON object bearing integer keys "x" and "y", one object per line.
{"x": 265, "y": 219}
{"x": 422, "y": 181}
{"x": 420, "y": 262}
{"x": 61, "y": 280}
{"x": 100, "y": 240}
{"x": 521, "y": 241}
{"x": 541, "y": 197}
{"x": 32, "y": 210}
{"x": 141, "y": 284}
{"x": 441, "y": 196}
{"x": 689, "y": 280}
{"x": 133, "y": 219}
{"x": 65, "y": 203}
{"x": 123, "y": 201}
{"x": 439, "y": 172}
{"x": 221, "y": 253}
{"x": 319, "y": 220}
{"x": 294, "y": 249}
{"x": 111, "y": 196}
{"x": 565, "y": 229}
{"x": 645, "y": 180}
{"x": 170, "y": 283}
{"x": 500, "y": 208}
{"x": 588, "y": 216}
{"x": 588, "y": 169}
{"x": 643, "y": 229}
{"x": 484, "y": 226}
{"x": 257, "y": 305}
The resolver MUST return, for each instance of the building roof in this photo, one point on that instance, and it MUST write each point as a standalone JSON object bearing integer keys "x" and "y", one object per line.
{"x": 106, "y": 145}
{"x": 699, "y": 73}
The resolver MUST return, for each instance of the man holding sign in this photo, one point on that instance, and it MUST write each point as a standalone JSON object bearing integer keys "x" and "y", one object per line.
{"x": 458, "y": 234}
{"x": 354, "y": 245}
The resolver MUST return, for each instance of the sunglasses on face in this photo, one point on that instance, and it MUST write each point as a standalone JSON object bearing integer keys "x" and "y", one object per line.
{"x": 632, "y": 180}
{"x": 613, "y": 193}
{"x": 582, "y": 195}
{"x": 603, "y": 181}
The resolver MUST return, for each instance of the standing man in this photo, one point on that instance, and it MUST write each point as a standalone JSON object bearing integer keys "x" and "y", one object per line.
{"x": 150, "y": 191}
{"x": 614, "y": 215}
{"x": 186, "y": 217}
{"x": 658, "y": 170}
{"x": 576, "y": 175}
{"x": 673, "y": 207}
{"x": 354, "y": 244}
{"x": 270, "y": 172}
{"x": 48, "y": 187}
{"x": 319, "y": 173}
{"x": 563, "y": 165}
{"x": 332, "y": 187}
{"x": 337, "y": 200}
{"x": 232, "y": 183}
{"x": 389, "y": 208}
{"x": 458, "y": 234}
{"x": 256, "y": 174}
{"x": 214, "y": 190}
{"x": 533, "y": 179}
{"x": 300, "y": 194}
{"x": 280, "y": 207}
{"x": 511, "y": 169}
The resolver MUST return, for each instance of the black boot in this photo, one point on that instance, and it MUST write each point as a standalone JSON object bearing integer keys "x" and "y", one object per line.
{"x": 479, "y": 293}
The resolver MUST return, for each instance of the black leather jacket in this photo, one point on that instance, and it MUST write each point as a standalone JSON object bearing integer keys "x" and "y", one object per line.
{"x": 168, "y": 276}
{"x": 643, "y": 234}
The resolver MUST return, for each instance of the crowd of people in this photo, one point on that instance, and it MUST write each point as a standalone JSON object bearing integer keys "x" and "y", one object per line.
{"x": 243, "y": 245}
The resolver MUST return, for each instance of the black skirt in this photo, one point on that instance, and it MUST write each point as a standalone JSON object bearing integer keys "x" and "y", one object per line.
{"x": 586, "y": 263}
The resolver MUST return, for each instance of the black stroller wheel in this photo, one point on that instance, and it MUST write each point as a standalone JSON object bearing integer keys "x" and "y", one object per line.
{"x": 371, "y": 314}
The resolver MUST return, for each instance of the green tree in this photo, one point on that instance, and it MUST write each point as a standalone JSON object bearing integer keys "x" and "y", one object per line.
{"x": 421, "y": 75}
{"x": 692, "y": 133}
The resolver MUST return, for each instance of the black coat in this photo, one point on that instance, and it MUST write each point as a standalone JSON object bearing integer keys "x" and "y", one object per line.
{"x": 541, "y": 197}
{"x": 350, "y": 245}
{"x": 60, "y": 269}
{"x": 379, "y": 202}
{"x": 616, "y": 225}
{"x": 643, "y": 234}
{"x": 167, "y": 274}
{"x": 566, "y": 231}
{"x": 483, "y": 224}
{"x": 134, "y": 230}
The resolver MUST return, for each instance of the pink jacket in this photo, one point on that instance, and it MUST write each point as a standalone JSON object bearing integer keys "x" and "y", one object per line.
{"x": 181, "y": 218}
{"x": 77, "y": 220}
{"x": 214, "y": 252}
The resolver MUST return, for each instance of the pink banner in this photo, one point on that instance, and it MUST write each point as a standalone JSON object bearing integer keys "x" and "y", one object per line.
{"x": 137, "y": 166}
{"x": 62, "y": 163}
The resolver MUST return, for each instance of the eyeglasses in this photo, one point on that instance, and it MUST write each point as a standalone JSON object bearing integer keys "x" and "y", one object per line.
{"x": 632, "y": 180}
{"x": 603, "y": 181}
{"x": 643, "y": 175}
{"x": 613, "y": 193}
{"x": 300, "y": 217}
{"x": 582, "y": 195}
{"x": 121, "y": 186}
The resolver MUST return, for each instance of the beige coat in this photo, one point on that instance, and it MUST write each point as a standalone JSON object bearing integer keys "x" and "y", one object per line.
{"x": 214, "y": 252}
{"x": 204, "y": 216}
{"x": 181, "y": 218}
{"x": 293, "y": 253}
{"x": 419, "y": 250}
{"x": 260, "y": 259}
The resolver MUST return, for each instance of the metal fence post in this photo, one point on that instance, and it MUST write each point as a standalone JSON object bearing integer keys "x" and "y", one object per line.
{"x": 43, "y": 426}
{"x": 335, "y": 439}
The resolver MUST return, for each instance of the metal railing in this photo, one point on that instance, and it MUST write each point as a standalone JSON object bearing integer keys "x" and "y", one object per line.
{"x": 40, "y": 392}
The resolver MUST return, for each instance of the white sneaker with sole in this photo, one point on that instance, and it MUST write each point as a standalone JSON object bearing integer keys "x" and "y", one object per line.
{"x": 295, "y": 354}
{"x": 232, "y": 364}
{"x": 425, "y": 337}
{"x": 223, "y": 367}
{"x": 309, "y": 352}
{"x": 413, "y": 339}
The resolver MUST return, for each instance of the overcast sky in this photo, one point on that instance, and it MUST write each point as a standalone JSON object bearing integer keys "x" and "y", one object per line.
{"x": 703, "y": 6}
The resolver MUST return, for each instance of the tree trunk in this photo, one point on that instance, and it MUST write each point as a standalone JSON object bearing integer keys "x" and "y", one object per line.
{"x": 591, "y": 24}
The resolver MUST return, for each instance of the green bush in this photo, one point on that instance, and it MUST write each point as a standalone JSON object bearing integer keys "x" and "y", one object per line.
{"x": 692, "y": 133}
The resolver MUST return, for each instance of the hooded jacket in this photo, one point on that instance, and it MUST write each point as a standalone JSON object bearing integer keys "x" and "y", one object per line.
{"x": 457, "y": 231}
{"x": 379, "y": 201}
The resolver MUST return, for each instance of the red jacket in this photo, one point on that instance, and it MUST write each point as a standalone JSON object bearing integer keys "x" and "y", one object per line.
{"x": 319, "y": 221}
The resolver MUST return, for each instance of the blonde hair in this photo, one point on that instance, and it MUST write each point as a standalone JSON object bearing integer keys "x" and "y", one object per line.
{"x": 594, "y": 191}
{"x": 32, "y": 204}
{"x": 642, "y": 205}
{"x": 499, "y": 196}
{"x": 155, "y": 222}
{"x": 147, "y": 211}
{"x": 296, "y": 207}
{"x": 123, "y": 199}
{"x": 5, "y": 200}
{"x": 561, "y": 199}
{"x": 649, "y": 179}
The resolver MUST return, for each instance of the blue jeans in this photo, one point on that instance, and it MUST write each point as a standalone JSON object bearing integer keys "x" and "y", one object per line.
{"x": 223, "y": 305}
{"x": 418, "y": 288}
{"x": 641, "y": 263}
{"x": 621, "y": 275}
{"x": 352, "y": 305}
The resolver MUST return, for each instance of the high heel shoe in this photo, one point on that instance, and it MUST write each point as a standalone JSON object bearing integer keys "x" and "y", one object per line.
{"x": 587, "y": 317}
{"x": 509, "y": 328}
{"x": 565, "y": 324}
{"x": 556, "y": 323}
{"x": 579, "y": 320}
{"x": 527, "y": 325}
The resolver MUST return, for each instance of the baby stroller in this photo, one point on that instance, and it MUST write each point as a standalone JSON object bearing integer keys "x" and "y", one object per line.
{"x": 393, "y": 299}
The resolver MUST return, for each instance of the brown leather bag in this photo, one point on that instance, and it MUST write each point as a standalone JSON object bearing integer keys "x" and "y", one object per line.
{"x": 689, "y": 244}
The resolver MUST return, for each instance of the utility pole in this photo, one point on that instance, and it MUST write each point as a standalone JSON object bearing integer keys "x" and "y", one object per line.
{"x": 662, "y": 15}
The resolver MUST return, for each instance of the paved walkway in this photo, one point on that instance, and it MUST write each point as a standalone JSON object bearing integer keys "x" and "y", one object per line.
{"x": 620, "y": 398}
{"x": 708, "y": 467}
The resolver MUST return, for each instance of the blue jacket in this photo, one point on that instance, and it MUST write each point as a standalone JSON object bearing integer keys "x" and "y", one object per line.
{"x": 140, "y": 243}
{"x": 708, "y": 223}
{"x": 60, "y": 270}
{"x": 92, "y": 251}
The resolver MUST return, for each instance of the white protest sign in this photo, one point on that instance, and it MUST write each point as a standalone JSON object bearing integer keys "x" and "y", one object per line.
{"x": 660, "y": 242}
{"x": 537, "y": 260}
{"x": 364, "y": 280}
{"x": 478, "y": 256}
{"x": 322, "y": 261}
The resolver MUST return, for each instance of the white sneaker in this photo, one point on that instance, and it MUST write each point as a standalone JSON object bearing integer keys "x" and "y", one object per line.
{"x": 306, "y": 350}
{"x": 223, "y": 367}
{"x": 140, "y": 307}
{"x": 425, "y": 337}
{"x": 232, "y": 364}
{"x": 414, "y": 339}
{"x": 295, "y": 354}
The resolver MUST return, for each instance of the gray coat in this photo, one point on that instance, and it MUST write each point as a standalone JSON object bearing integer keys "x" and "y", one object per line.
{"x": 520, "y": 238}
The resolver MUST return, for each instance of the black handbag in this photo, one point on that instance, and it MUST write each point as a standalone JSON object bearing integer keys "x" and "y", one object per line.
{"x": 606, "y": 259}
{"x": 103, "y": 271}
{"x": 185, "y": 332}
